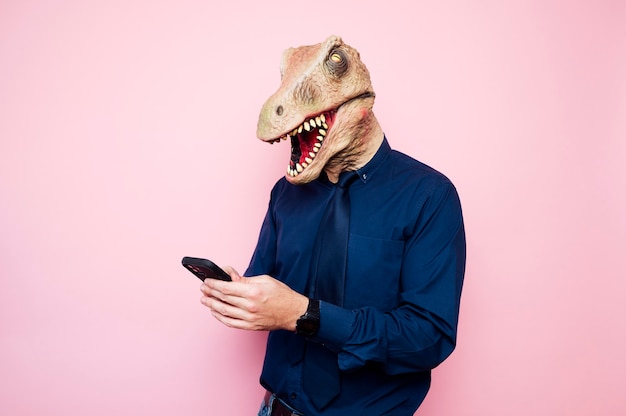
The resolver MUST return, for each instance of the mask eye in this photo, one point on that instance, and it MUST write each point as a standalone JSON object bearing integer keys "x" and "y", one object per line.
{"x": 337, "y": 64}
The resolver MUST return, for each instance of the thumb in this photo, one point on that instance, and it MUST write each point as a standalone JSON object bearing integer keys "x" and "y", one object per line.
{"x": 234, "y": 274}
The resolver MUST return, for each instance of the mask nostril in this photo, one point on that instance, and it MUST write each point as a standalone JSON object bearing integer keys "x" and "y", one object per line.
{"x": 279, "y": 110}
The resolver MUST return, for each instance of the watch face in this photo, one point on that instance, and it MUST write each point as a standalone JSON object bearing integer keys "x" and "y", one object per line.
{"x": 309, "y": 323}
{"x": 307, "y": 327}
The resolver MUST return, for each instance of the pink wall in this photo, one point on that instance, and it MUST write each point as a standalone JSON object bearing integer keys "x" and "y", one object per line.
{"x": 127, "y": 140}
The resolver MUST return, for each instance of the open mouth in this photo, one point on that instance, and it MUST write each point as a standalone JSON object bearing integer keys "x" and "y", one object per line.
{"x": 307, "y": 140}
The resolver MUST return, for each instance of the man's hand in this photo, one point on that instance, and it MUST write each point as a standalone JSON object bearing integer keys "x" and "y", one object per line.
{"x": 259, "y": 303}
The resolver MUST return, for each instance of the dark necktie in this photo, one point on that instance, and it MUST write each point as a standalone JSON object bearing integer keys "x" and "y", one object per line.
{"x": 321, "y": 376}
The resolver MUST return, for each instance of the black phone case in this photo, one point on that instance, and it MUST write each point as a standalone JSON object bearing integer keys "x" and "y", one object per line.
{"x": 204, "y": 268}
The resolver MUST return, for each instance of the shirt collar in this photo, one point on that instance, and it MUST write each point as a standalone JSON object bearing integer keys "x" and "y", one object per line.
{"x": 367, "y": 171}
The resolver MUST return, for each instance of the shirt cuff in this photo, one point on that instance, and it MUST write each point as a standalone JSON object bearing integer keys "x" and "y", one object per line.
{"x": 336, "y": 325}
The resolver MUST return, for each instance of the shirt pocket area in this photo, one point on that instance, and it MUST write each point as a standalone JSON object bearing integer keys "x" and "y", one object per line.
{"x": 373, "y": 275}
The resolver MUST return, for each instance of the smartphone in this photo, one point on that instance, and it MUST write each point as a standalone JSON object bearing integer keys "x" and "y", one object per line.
{"x": 204, "y": 268}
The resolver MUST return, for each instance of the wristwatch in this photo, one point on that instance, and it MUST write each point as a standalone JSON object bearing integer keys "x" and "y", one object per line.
{"x": 309, "y": 323}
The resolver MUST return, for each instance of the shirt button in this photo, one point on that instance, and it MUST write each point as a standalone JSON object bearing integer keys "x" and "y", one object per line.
{"x": 293, "y": 396}
{"x": 365, "y": 176}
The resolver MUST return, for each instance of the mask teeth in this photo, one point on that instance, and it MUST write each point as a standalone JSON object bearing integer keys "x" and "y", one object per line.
{"x": 319, "y": 123}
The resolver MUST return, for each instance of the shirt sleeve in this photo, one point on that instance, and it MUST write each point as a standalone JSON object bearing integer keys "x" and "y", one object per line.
{"x": 263, "y": 258}
{"x": 421, "y": 331}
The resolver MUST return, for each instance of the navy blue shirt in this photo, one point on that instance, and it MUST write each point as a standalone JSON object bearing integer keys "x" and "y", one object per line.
{"x": 406, "y": 262}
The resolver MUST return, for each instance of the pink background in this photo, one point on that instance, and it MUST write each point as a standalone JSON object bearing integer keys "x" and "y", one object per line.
{"x": 127, "y": 140}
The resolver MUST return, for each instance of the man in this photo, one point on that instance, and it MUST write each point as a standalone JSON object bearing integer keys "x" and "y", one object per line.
{"x": 356, "y": 326}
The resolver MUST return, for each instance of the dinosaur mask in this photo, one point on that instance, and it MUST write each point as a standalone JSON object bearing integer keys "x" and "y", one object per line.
{"x": 322, "y": 107}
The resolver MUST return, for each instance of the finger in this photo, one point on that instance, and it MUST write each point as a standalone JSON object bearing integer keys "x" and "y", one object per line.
{"x": 230, "y": 292}
{"x": 225, "y": 310}
{"x": 217, "y": 284}
{"x": 208, "y": 289}
{"x": 230, "y": 322}
{"x": 213, "y": 287}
